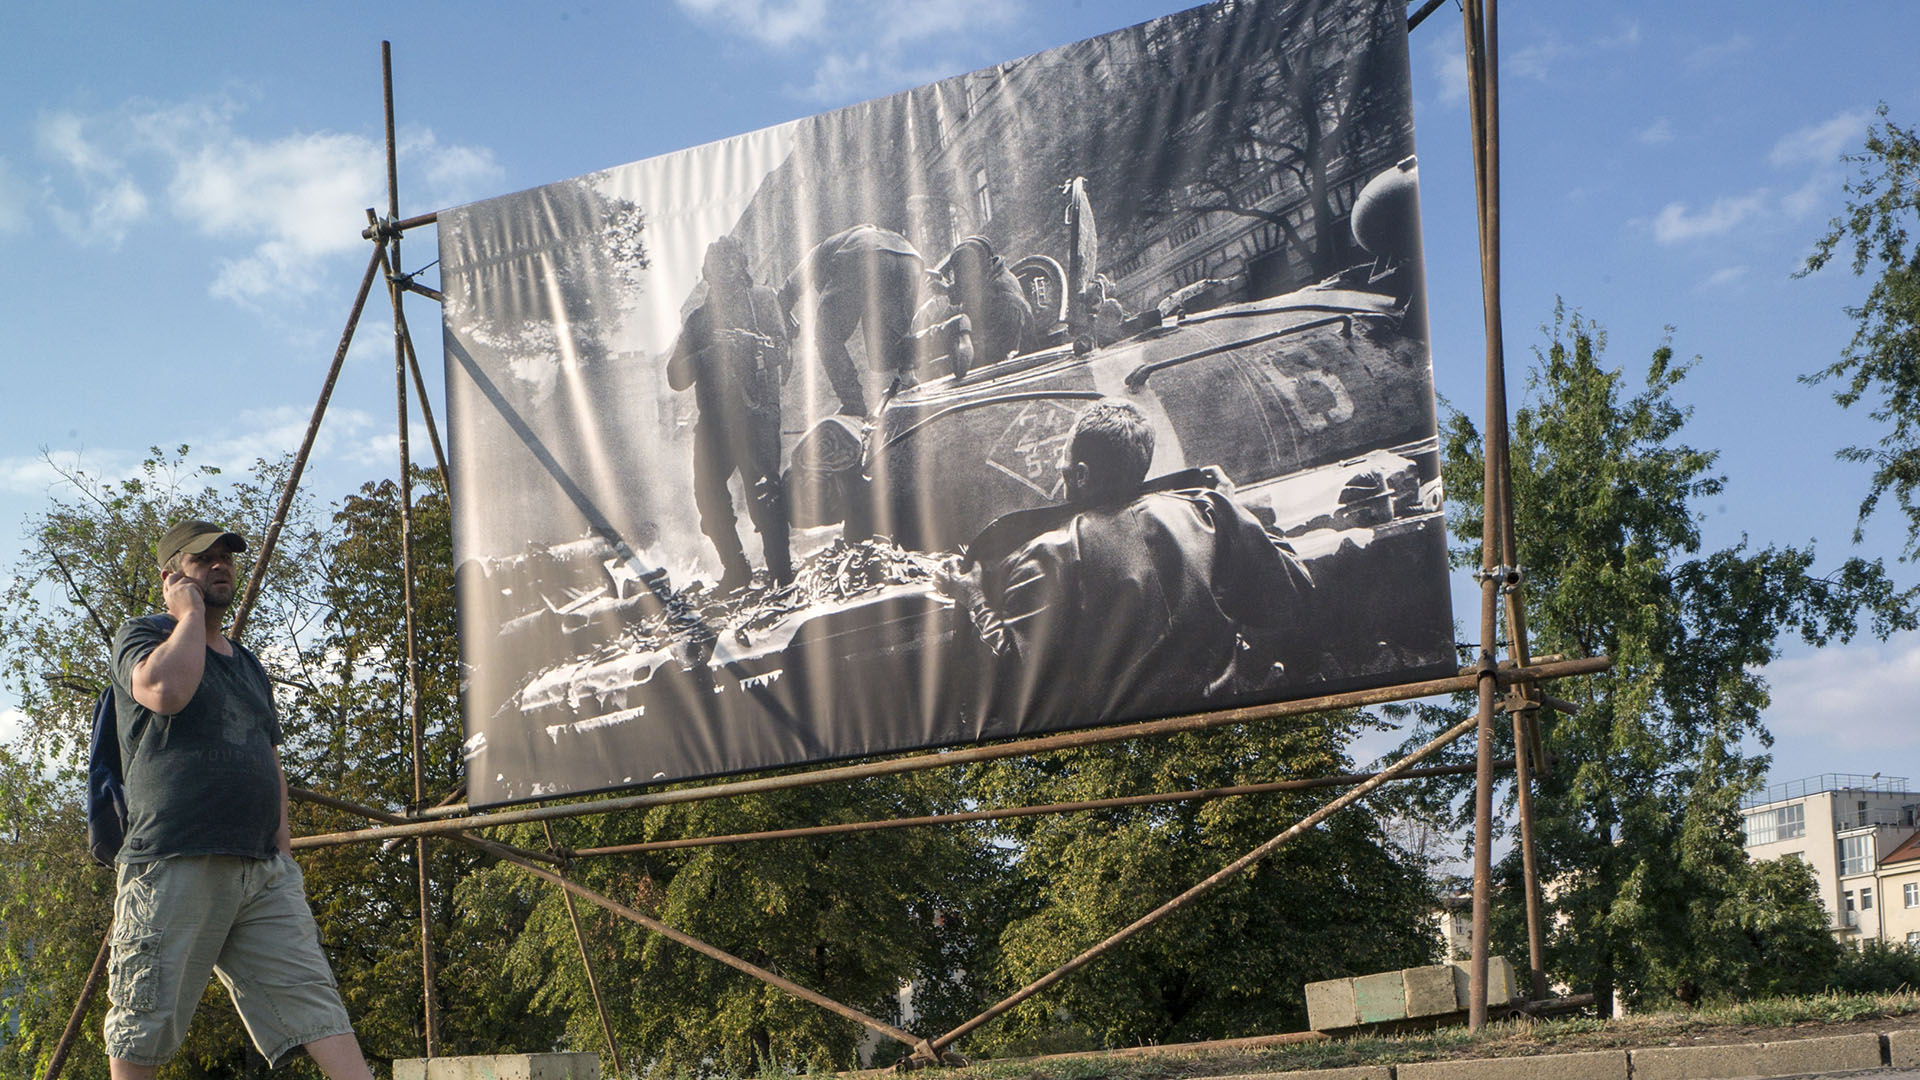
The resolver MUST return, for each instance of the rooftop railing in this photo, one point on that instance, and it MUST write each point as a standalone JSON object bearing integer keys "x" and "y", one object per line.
{"x": 1812, "y": 785}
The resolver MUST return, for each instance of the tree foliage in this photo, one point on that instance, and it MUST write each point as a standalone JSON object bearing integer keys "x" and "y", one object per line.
{"x": 1638, "y": 819}
{"x": 1881, "y": 365}
{"x": 1337, "y": 901}
{"x": 90, "y": 565}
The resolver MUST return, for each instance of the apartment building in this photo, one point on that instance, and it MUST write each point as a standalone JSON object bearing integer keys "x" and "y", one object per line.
{"x": 1858, "y": 834}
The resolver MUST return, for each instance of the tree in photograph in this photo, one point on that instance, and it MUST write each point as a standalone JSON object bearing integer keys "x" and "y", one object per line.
{"x": 1881, "y": 365}
{"x": 1321, "y": 96}
{"x": 1337, "y": 901}
{"x": 1651, "y": 893}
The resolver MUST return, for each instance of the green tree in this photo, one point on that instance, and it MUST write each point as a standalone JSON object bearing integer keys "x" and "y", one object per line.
{"x": 1337, "y": 901}
{"x": 1638, "y": 819}
{"x": 854, "y": 916}
{"x": 88, "y": 566}
{"x": 350, "y": 734}
{"x": 1881, "y": 365}
{"x": 1882, "y": 362}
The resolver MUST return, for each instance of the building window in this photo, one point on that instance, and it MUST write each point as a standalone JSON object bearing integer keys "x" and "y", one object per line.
{"x": 1910, "y": 892}
{"x": 1850, "y": 916}
{"x": 1856, "y": 854}
{"x": 1866, "y": 899}
{"x": 1186, "y": 231}
{"x": 1913, "y": 939}
{"x": 1780, "y": 823}
{"x": 982, "y": 198}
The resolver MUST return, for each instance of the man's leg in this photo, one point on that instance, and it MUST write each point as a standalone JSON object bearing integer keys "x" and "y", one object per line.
{"x": 767, "y": 497}
{"x": 837, "y": 315}
{"x": 339, "y": 1057}
{"x": 712, "y": 466}
{"x": 127, "y": 1070}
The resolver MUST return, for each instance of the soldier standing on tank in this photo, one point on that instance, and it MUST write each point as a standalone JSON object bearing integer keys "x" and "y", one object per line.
{"x": 733, "y": 352}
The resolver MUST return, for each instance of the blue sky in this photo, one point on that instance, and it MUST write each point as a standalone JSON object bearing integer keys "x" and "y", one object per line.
{"x": 181, "y": 199}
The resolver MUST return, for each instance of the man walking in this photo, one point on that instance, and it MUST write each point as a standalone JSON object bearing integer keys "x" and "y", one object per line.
{"x": 206, "y": 879}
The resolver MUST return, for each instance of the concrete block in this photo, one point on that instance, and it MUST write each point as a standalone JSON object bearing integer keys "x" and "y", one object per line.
{"x": 1350, "y": 1073}
{"x": 1330, "y": 1005}
{"x": 1903, "y": 1048}
{"x": 1380, "y": 997}
{"x": 1593, "y": 1065}
{"x": 1790, "y": 1057}
{"x": 500, "y": 1067}
{"x": 1500, "y": 984}
{"x": 1430, "y": 990}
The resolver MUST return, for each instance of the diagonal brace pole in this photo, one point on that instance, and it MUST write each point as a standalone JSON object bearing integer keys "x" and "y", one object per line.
{"x": 521, "y": 859}
{"x": 261, "y": 560}
{"x": 1298, "y": 829}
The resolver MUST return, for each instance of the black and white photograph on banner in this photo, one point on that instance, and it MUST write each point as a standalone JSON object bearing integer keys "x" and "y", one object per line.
{"x": 1090, "y": 387}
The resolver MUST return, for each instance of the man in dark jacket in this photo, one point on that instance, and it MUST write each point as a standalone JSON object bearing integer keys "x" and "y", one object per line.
{"x": 1131, "y": 600}
{"x": 733, "y": 353}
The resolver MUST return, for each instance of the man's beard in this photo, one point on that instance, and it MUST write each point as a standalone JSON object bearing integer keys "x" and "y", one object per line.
{"x": 218, "y": 603}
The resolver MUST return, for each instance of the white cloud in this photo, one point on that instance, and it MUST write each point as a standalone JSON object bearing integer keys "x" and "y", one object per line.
{"x": 1676, "y": 223}
{"x": 289, "y": 201}
{"x": 769, "y": 22}
{"x": 1657, "y": 133}
{"x": 1710, "y": 55}
{"x": 1449, "y": 67}
{"x": 43, "y": 473}
{"x": 13, "y": 723}
{"x": 1726, "y": 275}
{"x": 111, "y": 201}
{"x": 14, "y": 197}
{"x": 1841, "y": 694}
{"x": 861, "y": 45}
{"x": 1535, "y": 61}
{"x": 1626, "y": 37}
{"x": 1821, "y": 144}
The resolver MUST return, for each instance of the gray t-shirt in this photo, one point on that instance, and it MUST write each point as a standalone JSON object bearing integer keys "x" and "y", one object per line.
{"x": 202, "y": 781}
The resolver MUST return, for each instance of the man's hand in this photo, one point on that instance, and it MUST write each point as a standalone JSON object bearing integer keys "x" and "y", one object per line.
{"x": 183, "y": 596}
{"x": 955, "y": 579}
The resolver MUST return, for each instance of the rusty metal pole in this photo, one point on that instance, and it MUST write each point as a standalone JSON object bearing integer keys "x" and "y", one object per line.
{"x": 1007, "y": 812}
{"x": 1480, "y": 59}
{"x": 962, "y": 756}
{"x": 586, "y": 964}
{"x": 429, "y": 1003}
{"x": 265, "y": 554}
{"x": 419, "y": 384}
{"x": 72, "y": 1032}
{"x": 1299, "y": 828}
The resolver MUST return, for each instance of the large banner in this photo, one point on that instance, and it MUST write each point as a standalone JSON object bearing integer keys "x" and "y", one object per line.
{"x": 1089, "y": 387}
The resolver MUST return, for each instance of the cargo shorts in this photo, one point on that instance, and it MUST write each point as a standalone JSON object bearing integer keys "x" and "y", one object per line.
{"x": 176, "y": 920}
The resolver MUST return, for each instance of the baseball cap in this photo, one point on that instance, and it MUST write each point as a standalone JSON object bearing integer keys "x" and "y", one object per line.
{"x": 194, "y": 537}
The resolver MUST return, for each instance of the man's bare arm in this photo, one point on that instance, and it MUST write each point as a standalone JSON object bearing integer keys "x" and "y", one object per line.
{"x": 282, "y": 837}
{"x": 166, "y": 679}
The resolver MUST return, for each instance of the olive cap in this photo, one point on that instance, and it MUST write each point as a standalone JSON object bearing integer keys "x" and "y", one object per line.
{"x": 194, "y": 537}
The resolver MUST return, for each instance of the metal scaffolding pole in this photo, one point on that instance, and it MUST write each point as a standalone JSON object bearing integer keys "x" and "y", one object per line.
{"x": 416, "y": 718}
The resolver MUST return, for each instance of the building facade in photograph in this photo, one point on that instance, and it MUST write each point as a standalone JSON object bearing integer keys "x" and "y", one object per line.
{"x": 1858, "y": 834}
